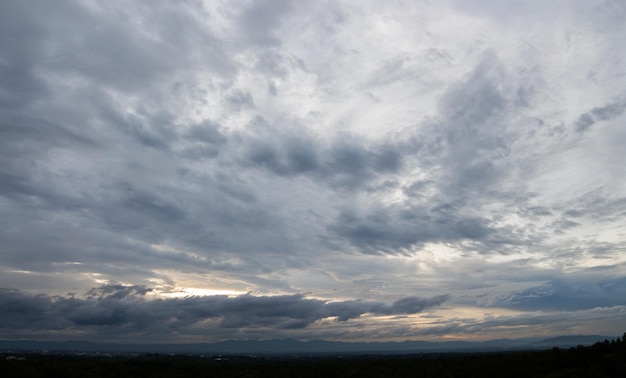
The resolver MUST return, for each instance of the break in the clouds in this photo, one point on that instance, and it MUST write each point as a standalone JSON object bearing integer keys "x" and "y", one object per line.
{"x": 335, "y": 169}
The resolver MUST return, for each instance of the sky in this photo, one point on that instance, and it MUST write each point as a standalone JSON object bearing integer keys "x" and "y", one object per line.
{"x": 197, "y": 171}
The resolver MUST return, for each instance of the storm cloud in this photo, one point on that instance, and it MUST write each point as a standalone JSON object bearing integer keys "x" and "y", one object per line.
{"x": 127, "y": 307}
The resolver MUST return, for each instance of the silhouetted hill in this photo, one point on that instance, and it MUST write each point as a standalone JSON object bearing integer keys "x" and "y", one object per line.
{"x": 602, "y": 359}
{"x": 570, "y": 341}
{"x": 288, "y": 346}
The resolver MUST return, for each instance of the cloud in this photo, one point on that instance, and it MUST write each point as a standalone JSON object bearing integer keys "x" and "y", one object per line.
{"x": 129, "y": 308}
{"x": 475, "y": 135}
{"x": 396, "y": 229}
{"x": 348, "y": 150}
{"x": 262, "y": 18}
{"x": 569, "y": 294}
{"x": 347, "y": 162}
{"x": 607, "y": 112}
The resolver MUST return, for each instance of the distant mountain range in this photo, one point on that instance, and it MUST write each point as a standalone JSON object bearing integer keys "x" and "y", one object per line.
{"x": 304, "y": 347}
{"x": 309, "y": 347}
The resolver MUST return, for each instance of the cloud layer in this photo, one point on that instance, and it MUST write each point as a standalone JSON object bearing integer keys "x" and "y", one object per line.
{"x": 320, "y": 155}
{"x": 117, "y": 310}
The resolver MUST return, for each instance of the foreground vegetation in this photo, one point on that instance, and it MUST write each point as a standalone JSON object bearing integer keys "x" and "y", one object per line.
{"x": 604, "y": 359}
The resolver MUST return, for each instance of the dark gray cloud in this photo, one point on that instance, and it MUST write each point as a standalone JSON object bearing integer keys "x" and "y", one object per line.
{"x": 261, "y": 20}
{"x": 476, "y": 99}
{"x": 21, "y": 48}
{"x": 396, "y": 229}
{"x": 152, "y": 131}
{"x": 473, "y": 129}
{"x": 128, "y": 307}
{"x": 469, "y": 148}
{"x": 99, "y": 45}
{"x": 596, "y": 205}
{"x": 568, "y": 294}
{"x": 584, "y": 122}
{"x": 238, "y": 100}
{"x": 347, "y": 163}
{"x": 607, "y": 112}
{"x": 205, "y": 141}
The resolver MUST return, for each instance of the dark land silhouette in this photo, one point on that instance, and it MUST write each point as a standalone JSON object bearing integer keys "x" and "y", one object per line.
{"x": 603, "y": 359}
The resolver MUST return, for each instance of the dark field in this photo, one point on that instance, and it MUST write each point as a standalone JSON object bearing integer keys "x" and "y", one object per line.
{"x": 607, "y": 359}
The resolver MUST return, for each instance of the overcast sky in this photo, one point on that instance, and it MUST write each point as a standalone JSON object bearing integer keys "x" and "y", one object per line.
{"x": 183, "y": 171}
